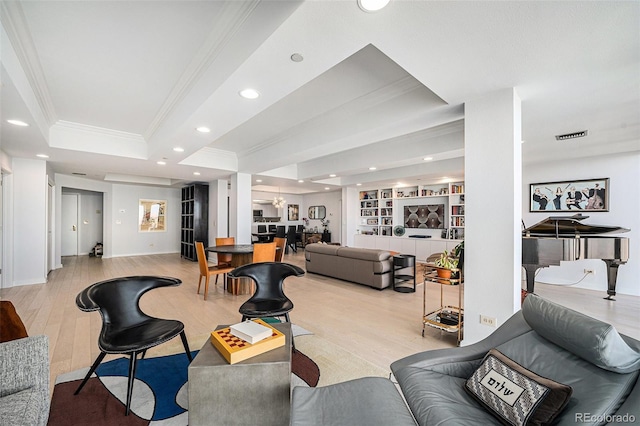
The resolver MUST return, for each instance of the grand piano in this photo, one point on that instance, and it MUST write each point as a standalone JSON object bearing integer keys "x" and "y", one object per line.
{"x": 566, "y": 238}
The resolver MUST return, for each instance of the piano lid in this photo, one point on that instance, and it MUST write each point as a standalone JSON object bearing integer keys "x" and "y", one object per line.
{"x": 568, "y": 226}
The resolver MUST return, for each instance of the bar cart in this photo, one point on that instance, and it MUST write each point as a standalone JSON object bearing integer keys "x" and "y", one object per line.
{"x": 447, "y": 317}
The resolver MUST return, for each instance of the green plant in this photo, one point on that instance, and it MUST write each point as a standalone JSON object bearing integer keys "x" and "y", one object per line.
{"x": 446, "y": 261}
{"x": 458, "y": 249}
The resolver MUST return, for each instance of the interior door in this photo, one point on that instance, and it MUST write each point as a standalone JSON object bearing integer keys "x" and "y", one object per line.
{"x": 69, "y": 225}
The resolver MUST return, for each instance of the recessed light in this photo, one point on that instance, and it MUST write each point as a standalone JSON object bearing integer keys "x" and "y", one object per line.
{"x": 178, "y": 149}
{"x": 18, "y": 123}
{"x": 203, "y": 129}
{"x": 372, "y": 168}
{"x": 372, "y": 5}
{"x": 327, "y": 188}
{"x": 42, "y": 155}
{"x": 296, "y": 57}
{"x": 196, "y": 173}
{"x": 249, "y": 93}
{"x": 300, "y": 181}
{"x": 259, "y": 180}
{"x": 161, "y": 163}
{"x": 358, "y": 184}
{"x": 332, "y": 175}
{"x": 428, "y": 158}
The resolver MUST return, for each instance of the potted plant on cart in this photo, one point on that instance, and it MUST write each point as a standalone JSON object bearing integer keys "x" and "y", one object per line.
{"x": 445, "y": 263}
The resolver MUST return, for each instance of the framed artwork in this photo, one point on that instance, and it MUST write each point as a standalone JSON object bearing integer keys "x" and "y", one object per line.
{"x": 429, "y": 216}
{"x": 570, "y": 196}
{"x": 293, "y": 212}
{"x": 151, "y": 216}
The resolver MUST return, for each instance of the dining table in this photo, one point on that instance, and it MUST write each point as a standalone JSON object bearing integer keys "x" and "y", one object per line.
{"x": 241, "y": 254}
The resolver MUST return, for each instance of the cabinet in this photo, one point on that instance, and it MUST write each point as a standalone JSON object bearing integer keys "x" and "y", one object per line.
{"x": 449, "y": 318}
{"x": 194, "y": 219}
{"x": 404, "y": 271}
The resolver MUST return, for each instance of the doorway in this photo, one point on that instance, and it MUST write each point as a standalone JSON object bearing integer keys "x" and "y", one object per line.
{"x": 69, "y": 231}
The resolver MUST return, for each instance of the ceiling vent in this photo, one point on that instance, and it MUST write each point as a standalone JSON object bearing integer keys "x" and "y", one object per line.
{"x": 574, "y": 135}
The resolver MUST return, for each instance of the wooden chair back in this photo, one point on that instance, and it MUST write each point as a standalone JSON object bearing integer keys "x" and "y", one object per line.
{"x": 264, "y": 252}
{"x": 225, "y": 258}
{"x": 280, "y": 243}
{"x": 202, "y": 259}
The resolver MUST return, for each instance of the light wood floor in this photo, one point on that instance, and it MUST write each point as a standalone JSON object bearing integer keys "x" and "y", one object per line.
{"x": 379, "y": 326}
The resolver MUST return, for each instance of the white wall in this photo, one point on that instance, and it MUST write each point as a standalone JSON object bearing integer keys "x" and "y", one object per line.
{"x": 120, "y": 203}
{"x": 126, "y": 239}
{"x": 29, "y": 222}
{"x": 624, "y": 210}
{"x": 332, "y": 201}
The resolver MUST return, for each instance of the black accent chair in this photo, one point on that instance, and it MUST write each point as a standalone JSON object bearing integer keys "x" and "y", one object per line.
{"x": 125, "y": 328}
{"x": 272, "y": 228}
{"x": 269, "y": 299}
{"x": 281, "y": 231}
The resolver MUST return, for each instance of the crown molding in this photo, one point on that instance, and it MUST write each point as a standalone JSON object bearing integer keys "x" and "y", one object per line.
{"x": 14, "y": 23}
{"x": 231, "y": 19}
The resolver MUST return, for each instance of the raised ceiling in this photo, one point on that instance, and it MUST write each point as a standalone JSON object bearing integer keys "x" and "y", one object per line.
{"x": 112, "y": 87}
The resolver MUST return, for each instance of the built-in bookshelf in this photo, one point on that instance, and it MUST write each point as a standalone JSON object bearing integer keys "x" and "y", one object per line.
{"x": 377, "y": 207}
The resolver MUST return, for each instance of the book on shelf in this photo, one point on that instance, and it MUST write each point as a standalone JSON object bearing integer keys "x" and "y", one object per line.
{"x": 234, "y": 349}
{"x": 250, "y": 331}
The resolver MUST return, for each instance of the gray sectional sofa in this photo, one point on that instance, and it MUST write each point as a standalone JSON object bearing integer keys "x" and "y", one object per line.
{"x": 557, "y": 343}
{"x": 359, "y": 265}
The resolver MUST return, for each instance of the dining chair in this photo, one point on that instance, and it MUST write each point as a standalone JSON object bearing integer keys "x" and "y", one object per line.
{"x": 281, "y": 231}
{"x": 126, "y": 329}
{"x": 291, "y": 239}
{"x": 225, "y": 258}
{"x": 269, "y": 299}
{"x": 280, "y": 245}
{"x": 207, "y": 271}
{"x": 272, "y": 228}
{"x": 264, "y": 252}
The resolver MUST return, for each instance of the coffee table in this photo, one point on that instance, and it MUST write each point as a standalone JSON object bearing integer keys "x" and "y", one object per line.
{"x": 251, "y": 392}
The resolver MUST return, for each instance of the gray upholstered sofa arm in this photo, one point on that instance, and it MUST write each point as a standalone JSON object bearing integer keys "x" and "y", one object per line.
{"x": 513, "y": 327}
{"x": 24, "y": 381}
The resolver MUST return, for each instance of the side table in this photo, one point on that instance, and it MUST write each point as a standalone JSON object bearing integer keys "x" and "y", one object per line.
{"x": 253, "y": 391}
{"x": 402, "y": 262}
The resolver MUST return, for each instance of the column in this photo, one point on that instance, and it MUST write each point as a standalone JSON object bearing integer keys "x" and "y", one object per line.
{"x": 240, "y": 208}
{"x": 493, "y": 207}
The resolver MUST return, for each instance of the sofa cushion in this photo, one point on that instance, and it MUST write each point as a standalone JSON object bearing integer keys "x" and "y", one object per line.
{"x": 22, "y": 408}
{"x": 363, "y": 254}
{"x": 514, "y": 394}
{"x": 590, "y": 339}
{"x": 438, "y": 398}
{"x": 595, "y": 390}
{"x": 322, "y": 248}
{"x": 365, "y": 401}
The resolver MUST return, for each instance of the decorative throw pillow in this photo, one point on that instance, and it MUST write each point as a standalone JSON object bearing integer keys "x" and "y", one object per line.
{"x": 514, "y": 394}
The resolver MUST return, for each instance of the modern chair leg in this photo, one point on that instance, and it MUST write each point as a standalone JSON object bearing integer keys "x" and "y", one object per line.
{"x": 95, "y": 365}
{"x": 132, "y": 375}
{"x": 183, "y": 337}
{"x": 144, "y": 352}
{"x": 293, "y": 344}
{"x": 199, "y": 283}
